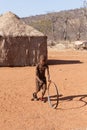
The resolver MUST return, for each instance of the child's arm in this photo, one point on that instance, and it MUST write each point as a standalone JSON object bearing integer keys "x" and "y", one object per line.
{"x": 39, "y": 79}
{"x": 48, "y": 74}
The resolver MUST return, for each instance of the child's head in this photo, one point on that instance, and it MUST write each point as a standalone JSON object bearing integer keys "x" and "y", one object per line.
{"x": 42, "y": 59}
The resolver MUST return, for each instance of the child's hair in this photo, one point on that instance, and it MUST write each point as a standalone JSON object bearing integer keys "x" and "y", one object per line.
{"x": 43, "y": 57}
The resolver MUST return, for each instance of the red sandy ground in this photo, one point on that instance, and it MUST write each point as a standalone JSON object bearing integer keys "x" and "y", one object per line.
{"x": 68, "y": 70}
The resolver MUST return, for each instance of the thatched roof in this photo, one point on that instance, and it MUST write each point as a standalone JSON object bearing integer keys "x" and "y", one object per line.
{"x": 11, "y": 25}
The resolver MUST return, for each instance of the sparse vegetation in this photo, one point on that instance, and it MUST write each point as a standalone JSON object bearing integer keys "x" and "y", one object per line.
{"x": 65, "y": 25}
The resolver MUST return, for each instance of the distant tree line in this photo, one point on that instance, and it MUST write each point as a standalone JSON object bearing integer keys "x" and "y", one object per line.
{"x": 65, "y": 25}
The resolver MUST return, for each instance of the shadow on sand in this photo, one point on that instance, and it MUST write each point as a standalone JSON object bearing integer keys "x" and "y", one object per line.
{"x": 58, "y": 62}
{"x": 77, "y": 98}
{"x": 80, "y": 98}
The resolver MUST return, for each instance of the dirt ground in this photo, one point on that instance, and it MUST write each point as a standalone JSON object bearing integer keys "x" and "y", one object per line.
{"x": 68, "y": 69}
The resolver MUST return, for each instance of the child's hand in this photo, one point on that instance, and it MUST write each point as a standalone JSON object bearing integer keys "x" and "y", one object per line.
{"x": 41, "y": 82}
{"x": 49, "y": 80}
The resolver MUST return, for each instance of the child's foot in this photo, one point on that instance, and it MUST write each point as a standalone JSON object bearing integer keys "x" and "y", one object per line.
{"x": 35, "y": 98}
{"x": 42, "y": 99}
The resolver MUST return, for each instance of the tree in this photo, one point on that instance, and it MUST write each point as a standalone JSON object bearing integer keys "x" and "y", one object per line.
{"x": 53, "y": 20}
{"x": 85, "y": 8}
{"x": 65, "y": 28}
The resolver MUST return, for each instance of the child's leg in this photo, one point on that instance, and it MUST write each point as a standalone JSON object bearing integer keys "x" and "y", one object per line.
{"x": 44, "y": 88}
{"x": 37, "y": 90}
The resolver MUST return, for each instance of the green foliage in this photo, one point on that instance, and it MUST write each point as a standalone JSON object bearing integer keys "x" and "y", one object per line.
{"x": 42, "y": 25}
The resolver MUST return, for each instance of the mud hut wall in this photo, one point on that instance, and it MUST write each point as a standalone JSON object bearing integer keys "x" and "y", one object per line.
{"x": 16, "y": 51}
{"x": 38, "y": 46}
{"x": 22, "y": 51}
{"x": 2, "y": 51}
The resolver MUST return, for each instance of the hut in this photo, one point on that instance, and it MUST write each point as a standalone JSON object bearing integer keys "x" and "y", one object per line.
{"x": 20, "y": 44}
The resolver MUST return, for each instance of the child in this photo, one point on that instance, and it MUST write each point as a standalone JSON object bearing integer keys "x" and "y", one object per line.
{"x": 40, "y": 77}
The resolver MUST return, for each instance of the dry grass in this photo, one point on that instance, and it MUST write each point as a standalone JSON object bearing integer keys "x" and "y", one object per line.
{"x": 11, "y": 25}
